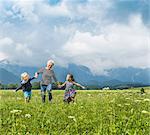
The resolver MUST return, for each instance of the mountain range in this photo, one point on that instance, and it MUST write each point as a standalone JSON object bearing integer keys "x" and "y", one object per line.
{"x": 10, "y": 73}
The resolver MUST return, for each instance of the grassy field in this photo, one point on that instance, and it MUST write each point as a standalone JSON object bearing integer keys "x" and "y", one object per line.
{"x": 125, "y": 112}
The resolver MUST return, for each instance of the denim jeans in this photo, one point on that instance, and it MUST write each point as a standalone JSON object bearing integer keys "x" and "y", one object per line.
{"x": 45, "y": 88}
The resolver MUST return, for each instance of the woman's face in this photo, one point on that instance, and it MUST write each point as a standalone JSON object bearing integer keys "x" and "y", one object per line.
{"x": 49, "y": 65}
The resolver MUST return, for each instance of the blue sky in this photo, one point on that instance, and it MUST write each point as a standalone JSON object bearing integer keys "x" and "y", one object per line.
{"x": 100, "y": 34}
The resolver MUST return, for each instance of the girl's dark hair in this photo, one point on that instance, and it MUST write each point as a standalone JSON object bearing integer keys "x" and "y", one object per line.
{"x": 71, "y": 76}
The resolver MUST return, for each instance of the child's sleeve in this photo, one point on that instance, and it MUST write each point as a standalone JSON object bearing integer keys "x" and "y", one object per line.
{"x": 18, "y": 88}
{"x": 32, "y": 78}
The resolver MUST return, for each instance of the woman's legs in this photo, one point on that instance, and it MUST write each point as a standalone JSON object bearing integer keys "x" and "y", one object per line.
{"x": 45, "y": 88}
{"x": 50, "y": 95}
{"x": 43, "y": 92}
{"x": 49, "y": 91}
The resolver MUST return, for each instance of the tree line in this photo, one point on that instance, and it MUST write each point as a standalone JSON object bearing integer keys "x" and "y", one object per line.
{"x": 35, "y": 85}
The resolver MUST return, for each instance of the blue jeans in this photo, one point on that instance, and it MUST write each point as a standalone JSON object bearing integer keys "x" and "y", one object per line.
{"x": 45, "y": 88}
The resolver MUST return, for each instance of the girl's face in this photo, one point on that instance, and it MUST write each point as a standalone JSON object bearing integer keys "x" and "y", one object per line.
{"x": 68, "y": 78}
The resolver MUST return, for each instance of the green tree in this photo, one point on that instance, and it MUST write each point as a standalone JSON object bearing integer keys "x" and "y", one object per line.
{"x": 36, "y": 85}
{"x": 12, "y": 86}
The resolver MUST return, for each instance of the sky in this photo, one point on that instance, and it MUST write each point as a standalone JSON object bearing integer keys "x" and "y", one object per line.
{"x": 99, "y": 34}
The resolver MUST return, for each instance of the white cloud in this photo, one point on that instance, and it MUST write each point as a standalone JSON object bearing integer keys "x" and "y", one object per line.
{"x": 54, "y": 11}
{"x": 3, "y": 56}
{"x": 121, "y": 45}
{"x": 14, "y": 51}
{"x": 71, "y": 32}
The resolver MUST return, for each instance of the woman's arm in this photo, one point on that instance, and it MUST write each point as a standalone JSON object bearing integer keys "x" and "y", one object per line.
{"x": 54, "y": 77}
{"x": 79, "y": 85}
{"x": 38, "y": 72}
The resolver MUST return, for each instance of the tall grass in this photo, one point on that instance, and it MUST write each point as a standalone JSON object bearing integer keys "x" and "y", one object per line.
{"x": 94, "y": 112}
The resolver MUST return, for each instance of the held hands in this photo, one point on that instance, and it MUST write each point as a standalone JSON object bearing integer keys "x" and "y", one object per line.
{"x": 83, "y": 87}
{"x": 36, "y": 75}
{"x": 59, "y": 86}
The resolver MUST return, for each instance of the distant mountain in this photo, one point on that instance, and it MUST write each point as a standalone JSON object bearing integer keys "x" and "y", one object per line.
{"x": 82, "y": 74}
{"x": 17, "y": 69}
{"x": 130, "y": 74}
{"x": 7, "y": 77}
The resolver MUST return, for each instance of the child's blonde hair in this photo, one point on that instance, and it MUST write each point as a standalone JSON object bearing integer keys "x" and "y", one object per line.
{"x": 23, "y": 75}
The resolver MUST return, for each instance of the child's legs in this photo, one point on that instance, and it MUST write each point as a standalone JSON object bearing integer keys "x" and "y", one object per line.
{"x": 73, "y": 95}
{"x": 43, "y": 92}
{"x": 49, "y": 91}
{"x": 27, "y": 95}
{"x": 27, "y": 99}
{"x": 67, "y": 98}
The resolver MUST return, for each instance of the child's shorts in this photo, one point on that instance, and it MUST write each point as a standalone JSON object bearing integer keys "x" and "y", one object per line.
{"x": 27, "y": 94}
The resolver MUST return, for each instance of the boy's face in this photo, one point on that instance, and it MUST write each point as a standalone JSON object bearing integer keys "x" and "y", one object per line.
{"x": 26, "y": 78}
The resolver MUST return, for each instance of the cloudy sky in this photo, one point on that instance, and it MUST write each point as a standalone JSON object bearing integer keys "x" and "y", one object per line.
{"x": 100, "y": 34}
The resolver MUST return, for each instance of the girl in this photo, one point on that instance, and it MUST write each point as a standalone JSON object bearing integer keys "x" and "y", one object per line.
{"x": 26, "y": 86}
{"x": 70, "y": 92}
{"x": 46, "y": 82}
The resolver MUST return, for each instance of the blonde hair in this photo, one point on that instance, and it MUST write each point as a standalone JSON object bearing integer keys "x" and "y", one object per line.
{"x": 23, "y": 75}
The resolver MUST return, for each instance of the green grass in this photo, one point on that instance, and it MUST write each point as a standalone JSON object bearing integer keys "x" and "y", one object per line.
{"x": 123, "y": 112}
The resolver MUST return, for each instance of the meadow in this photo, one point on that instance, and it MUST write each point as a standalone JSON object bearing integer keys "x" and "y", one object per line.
{"x": 115, "y": 112}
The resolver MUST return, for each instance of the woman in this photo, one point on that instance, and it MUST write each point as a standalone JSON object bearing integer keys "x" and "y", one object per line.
{"x": 46, "y": 82}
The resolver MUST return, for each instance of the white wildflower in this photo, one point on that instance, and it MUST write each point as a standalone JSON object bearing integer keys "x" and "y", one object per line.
{"x": 72, "y": 117}
{"x": 119, "y": 105}
{"x": 145, "y": 112}
{"x": 146, "y": 99}
{"x": 27, "y": 115}
{"x": 16, "y": 111}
